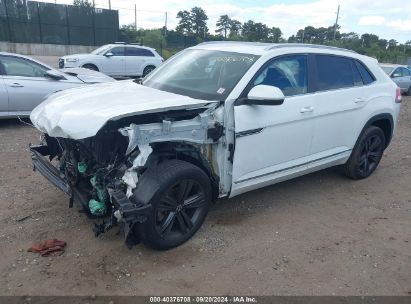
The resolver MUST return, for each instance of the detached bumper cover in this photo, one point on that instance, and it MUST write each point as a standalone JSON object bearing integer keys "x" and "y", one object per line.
{"x": 51, "y": 173}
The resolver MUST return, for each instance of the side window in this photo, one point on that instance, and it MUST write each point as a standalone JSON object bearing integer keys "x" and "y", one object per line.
{"x": 366, "y": 76}
{"x": 117, "y": 51}
{"x": 397, "y": 73}
{"x": 134, "y": 51}
{"x": 356, "y": 74}
{"x": 333, "y": 72}
{"x": 14, "y": 66}
{"x": 288, "y": 73}
{"x": 405, "y": 72}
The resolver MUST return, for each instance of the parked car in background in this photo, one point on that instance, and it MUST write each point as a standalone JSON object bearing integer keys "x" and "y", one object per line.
{"x": 25, "y": 82}
{"x": 400, "y": 74}
{"x": 116, "y": 60}
{"x": 218, "y": 119}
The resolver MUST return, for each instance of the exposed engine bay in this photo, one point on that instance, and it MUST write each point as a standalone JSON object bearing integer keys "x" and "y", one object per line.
{"x": 108, "y": 173}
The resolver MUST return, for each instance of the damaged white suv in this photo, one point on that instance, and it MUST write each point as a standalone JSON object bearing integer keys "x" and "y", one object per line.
{"x": 216, "y": 120}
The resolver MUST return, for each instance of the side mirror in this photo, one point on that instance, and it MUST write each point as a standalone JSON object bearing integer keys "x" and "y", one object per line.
{"x": 264, "y": 95}
{"x": 54, "y": 75}
{"x": 395, "y": 75}
{"x": 109, "y": 54}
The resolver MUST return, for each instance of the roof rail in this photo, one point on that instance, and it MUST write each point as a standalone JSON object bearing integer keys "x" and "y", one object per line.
{"x": 272, "y": 46}
{"x": 314, "y": 46}
{"x": 119, "y": 42}
{"x": 238, "y": 42}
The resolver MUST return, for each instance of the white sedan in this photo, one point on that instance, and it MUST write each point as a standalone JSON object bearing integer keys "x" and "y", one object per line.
{"x": 25, "y": 83}
{"x": 116, "y": 60}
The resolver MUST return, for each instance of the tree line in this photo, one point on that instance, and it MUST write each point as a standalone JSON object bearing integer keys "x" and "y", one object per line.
{"x": 192, "y": 28}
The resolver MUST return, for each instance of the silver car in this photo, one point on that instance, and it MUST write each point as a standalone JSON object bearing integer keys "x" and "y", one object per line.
{"x": 400, "y": 74}
{"x": 25, "y": 82}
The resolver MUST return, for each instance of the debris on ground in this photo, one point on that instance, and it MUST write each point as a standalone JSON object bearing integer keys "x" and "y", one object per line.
{"x": 51, "y": 247}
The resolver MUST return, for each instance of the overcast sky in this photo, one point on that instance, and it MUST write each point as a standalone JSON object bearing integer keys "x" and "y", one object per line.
{"x": 389, "y": 19}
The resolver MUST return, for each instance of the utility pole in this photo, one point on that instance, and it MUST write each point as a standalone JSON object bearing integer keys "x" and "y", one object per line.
{"x": 109, "y": 4}
{"x": 336, "y": 21}
{"x": 135, "y": 16}
{"x": 165, "y": 26}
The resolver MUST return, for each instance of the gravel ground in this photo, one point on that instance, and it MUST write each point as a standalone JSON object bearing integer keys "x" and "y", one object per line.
{"x": 321, "y": 234}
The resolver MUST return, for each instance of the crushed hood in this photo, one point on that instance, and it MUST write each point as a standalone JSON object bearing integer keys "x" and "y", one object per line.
{"x": 81, "y": 112}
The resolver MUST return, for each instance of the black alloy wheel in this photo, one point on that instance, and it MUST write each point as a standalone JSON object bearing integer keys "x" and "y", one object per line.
{"x": 180, "y": 200}
{"x": 179, "y": 209}
{"x": 366, "y": 154}
{"x": 370, "y": 155}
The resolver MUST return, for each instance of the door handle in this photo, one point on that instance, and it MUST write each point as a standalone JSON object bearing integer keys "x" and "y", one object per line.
{"x": 16, "y": 85}
{"x": 359, "y": 99}
{"x": 306, "y": 109}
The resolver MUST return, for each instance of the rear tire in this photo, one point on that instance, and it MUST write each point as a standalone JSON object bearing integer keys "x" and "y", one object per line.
{"x": 179, "y": 205}
{"x": 148, "y": 70}
{"x": 90, "y": 67}
{"x": 366, "y": 154}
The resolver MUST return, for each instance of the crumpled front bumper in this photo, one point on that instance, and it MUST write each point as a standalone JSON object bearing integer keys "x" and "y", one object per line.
{"x": 50, "y": 172}
{"x": 131, "y": 213}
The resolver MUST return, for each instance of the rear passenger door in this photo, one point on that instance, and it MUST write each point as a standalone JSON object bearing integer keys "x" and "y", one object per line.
{"x": 136, "y": 60}
{"x": 343, "y": 87}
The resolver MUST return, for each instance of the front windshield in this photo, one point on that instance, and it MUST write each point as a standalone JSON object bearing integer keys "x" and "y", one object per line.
{"x": 387, "y": 70}
{"x": 101, "y": 50}
{"x": 201, "y": 74}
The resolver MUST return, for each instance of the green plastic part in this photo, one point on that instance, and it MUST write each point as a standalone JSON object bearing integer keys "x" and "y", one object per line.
{"x": 100, "y": 192}
{"x": 96, "y": 207}
{"x": 82, "y": 167}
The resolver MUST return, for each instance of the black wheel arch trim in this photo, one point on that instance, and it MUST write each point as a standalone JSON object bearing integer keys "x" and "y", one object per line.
{"x": 372, "y": 120}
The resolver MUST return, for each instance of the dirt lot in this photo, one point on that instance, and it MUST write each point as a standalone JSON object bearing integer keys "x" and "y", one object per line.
{"x": 321, "y": 234}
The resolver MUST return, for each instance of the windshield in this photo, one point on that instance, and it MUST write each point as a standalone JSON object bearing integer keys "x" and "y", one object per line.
{"x": 201, "y": 74}
{"x": 101, "y": 50}
{"x": 387, "y": 70}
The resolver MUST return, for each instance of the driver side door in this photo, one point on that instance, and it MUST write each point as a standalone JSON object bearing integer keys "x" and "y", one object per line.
{"x": 273, "y": 142}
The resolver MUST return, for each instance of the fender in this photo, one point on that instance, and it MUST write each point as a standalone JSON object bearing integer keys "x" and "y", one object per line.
{"x": 378, "y": 117}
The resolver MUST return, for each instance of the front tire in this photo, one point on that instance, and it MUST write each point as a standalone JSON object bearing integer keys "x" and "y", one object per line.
{"x": 179, "y": 205}
{"x": 366, "y": 154}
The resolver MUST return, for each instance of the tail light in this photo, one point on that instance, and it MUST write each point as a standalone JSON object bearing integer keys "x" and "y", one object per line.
{"x": 398, "y": 97}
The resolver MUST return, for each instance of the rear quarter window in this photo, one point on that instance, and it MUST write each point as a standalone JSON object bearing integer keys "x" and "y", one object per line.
{"x": 366, "y": 75}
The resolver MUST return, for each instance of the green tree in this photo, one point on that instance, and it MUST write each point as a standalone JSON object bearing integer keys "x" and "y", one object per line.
{"x": 392, "y": 43}
{"x": 369, "y": 39}
{"x": 235, "y": 28}
{"x": 185, "y": 25}
{"x": 223, "y": 25}
{"x": 199, "y": 21}
{"x": 275, "y": 34}
{"x": 82, "y": 3}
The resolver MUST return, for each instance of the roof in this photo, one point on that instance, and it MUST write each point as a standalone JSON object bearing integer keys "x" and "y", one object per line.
{"x": 392, "y": 65}
{"x": 130, "y": 44}
{"x": 260, "y": 48}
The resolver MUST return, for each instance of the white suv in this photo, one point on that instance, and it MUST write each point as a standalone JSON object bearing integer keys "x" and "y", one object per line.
{"x": 218, "y": 119}
{"x": 116, "y": 60}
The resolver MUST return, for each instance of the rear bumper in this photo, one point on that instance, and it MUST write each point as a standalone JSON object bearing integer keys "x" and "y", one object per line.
{"x": 50, "y": 172}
